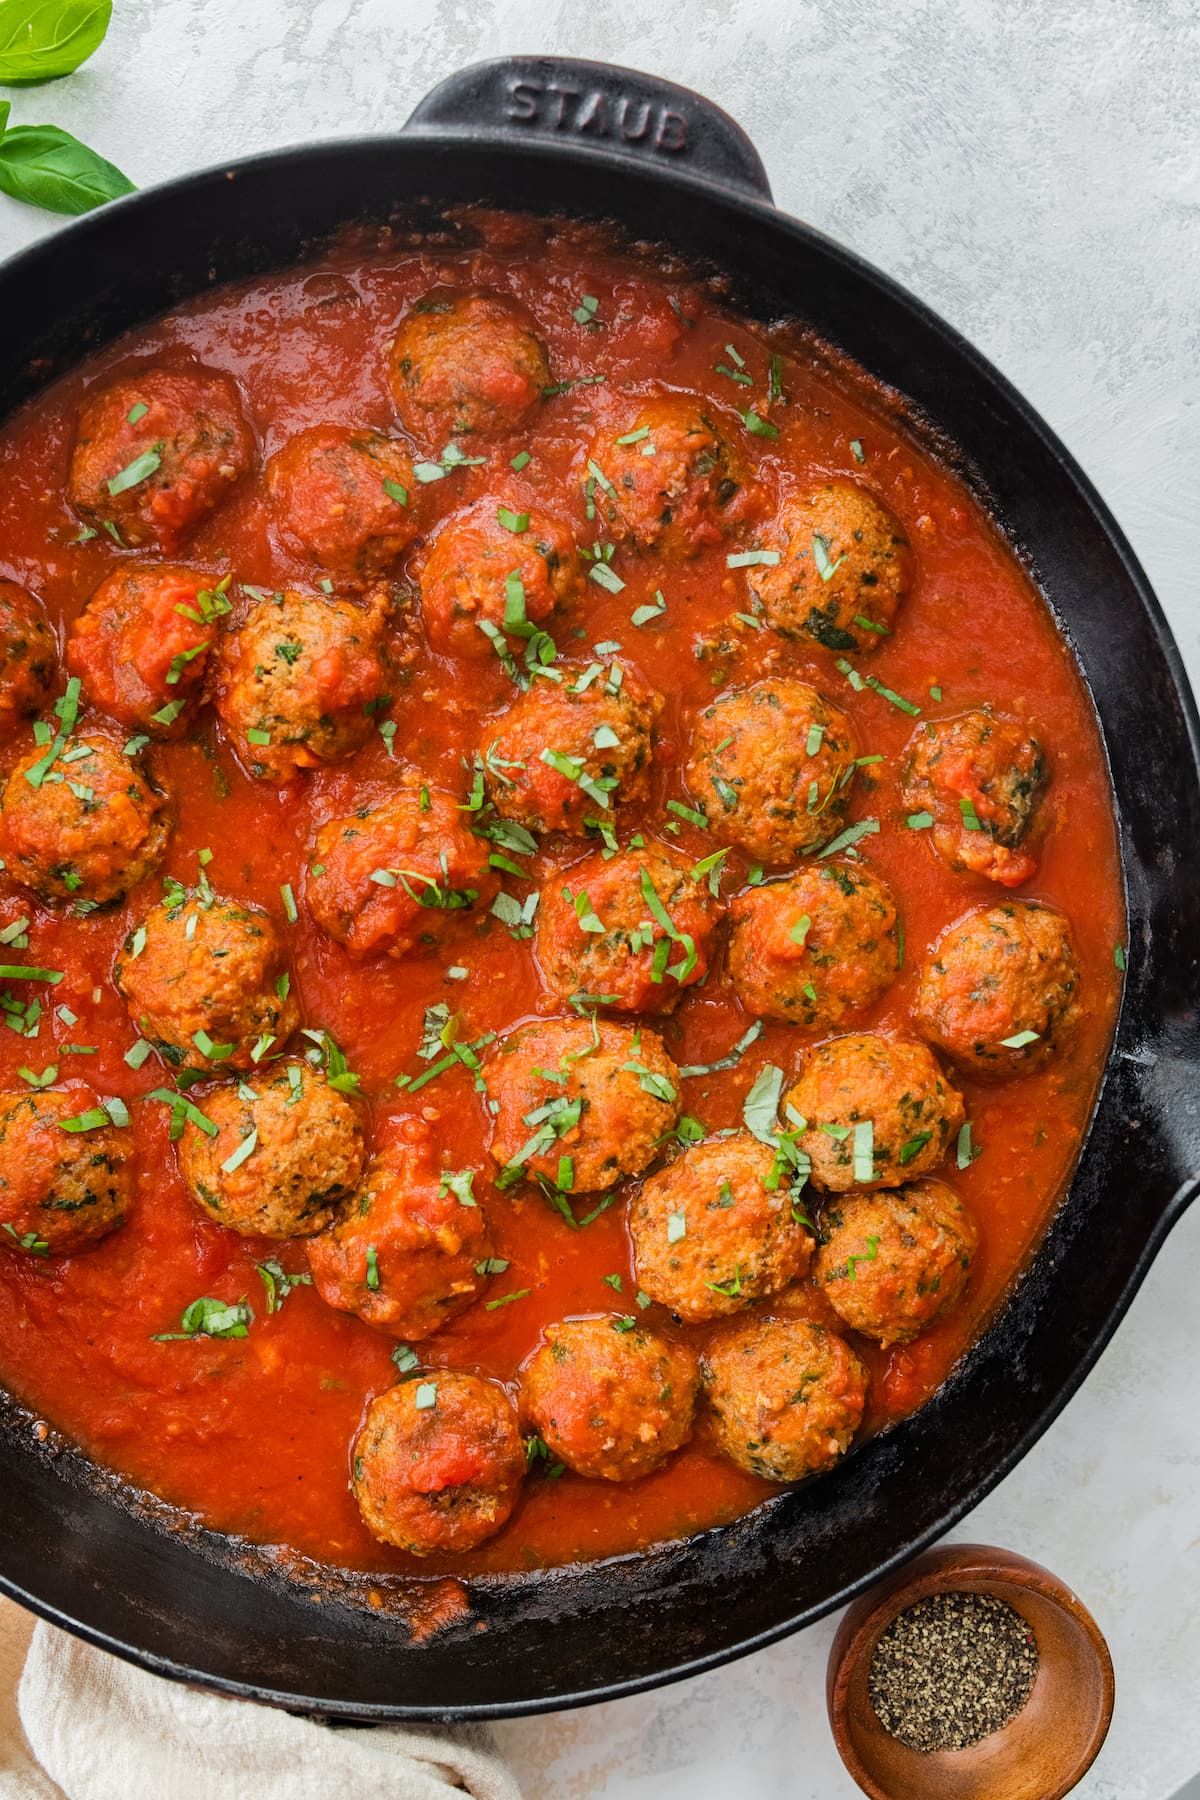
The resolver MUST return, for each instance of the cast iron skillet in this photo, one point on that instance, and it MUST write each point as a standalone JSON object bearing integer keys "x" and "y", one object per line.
{"x": 544, "y": 134}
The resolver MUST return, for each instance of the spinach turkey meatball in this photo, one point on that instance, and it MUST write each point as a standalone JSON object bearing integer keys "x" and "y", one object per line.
{"x": 407, "y": 1250}
{"x": 142, "y": 642}
{"x": 891, "y": 1262}
{"x": 666, "y": 477}
{"x": 63, "y": 1186}
{"x": 609, "y": 1398}
{"x": 844, "y": 568}
{"x": 784, "y": 1397}
{"x": 579, "y": 1104}
{"x": 630, "y": 931}
{"x": 28, "y": 656}
{"x": 156, "y": 451}
{"x": 87, "y": 830}
{"x": 206, "y": 982}
{"x": 772, "y": 766}
{"x": 493, "y": 571}
{"x": 346, "y": 499}
{"x": 391, "y": 877}
{"x": 438, "y": 1463}
{"x": 717, "y": 1229}
{"x": 287, "y": 1150}
{"x": 979, "y": 779}
{"x": 999, "y": 991}
{"x": 814, "y": 946}
{"x": 878, "y": 1111}
{"x": 563, "y": 756}
{"x": 466, "y": 363}
{"x": 297, "y": 685}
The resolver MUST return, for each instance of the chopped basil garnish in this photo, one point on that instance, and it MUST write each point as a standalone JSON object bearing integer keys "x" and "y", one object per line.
{"x": 210, "y": 1318}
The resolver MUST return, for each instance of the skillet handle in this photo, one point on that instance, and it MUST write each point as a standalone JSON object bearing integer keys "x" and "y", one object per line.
{"x": 616, "y": 113}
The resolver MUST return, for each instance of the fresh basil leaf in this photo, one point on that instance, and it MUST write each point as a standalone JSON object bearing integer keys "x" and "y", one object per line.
{"x": 40, "y": 40}
{"x": 45, "y": 166}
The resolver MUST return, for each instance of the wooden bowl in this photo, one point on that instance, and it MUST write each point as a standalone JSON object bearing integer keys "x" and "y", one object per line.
{"x": 1039, "y": 1755}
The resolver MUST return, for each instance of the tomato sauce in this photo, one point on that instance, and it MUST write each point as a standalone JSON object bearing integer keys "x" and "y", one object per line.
{"x": 252, "y": 1436}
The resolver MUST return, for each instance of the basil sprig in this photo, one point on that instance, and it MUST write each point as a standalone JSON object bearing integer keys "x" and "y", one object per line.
{"x": 45, "y": 166}
{"x": 41, "y": 40}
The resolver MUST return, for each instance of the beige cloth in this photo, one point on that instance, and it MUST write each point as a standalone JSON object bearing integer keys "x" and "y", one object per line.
{"x": 77, "y": 1724}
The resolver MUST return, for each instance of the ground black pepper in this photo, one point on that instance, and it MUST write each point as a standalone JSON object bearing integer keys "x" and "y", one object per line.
{"x": 951, "y": 1670}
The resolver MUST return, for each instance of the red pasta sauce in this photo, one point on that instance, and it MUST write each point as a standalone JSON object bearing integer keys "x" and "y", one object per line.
{"x": 252, "y": 1436}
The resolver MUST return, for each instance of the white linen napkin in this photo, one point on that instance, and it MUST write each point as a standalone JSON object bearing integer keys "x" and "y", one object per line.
{"x": 82, "y": 1725}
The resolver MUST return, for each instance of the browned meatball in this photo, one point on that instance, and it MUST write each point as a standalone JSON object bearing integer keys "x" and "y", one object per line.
{"x": 772, "y": 767}
{"x": 87, "y": 830}
{"x": 815, "y": 946}
{"x": 878, "y": 1110}
{"x": 979, "y": 779}
{"x": 496, "y": 569}
{"x": 718, "y": 1229}
{"x": 999, "y": 991}
{"x": 300, "y": 1148}
{"x": 206, "y": 982}
{"x": 666, "y": 477}
{"x": 438, "y": 1464}
{"x": 609, "y": 1398}
{"x": 390, "y": 878}
{"x": 157, "y": 450}
{"x": 141, "y": 645}
{"x": 785, "y": 1397}
{"x": 466, "y": 363}
{"x": 345, "y": 498}
{"x": 599, "y": 934}
{"x": 65, "y": 1174}
{"x": 844, "y": 567}
{"x": 410, "y": 1249}
{"x": 295, "y": 687}
{"x": 28, "y": 656}
{"x": 560, "y": 757}
{"x": 889, "y": 1263}
{"x": 620, "y": 1095}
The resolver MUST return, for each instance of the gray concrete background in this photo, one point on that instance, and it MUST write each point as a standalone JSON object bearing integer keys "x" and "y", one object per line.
{"x": 1033, "y": 171}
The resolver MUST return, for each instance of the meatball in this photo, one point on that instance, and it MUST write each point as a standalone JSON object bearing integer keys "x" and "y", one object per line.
{"x": 156, "y": 451}
{"x": 300, "y": 1146}
{"x": 873, "y": 1104}
{"x": 28, "y": 656}
{"x": 141, "y": 644}
{"x": 482, "y": 577}
{"x": 87, "y": 830}
{"x": 345, "y": 499}
{"x": 407, "y": 1252}
{"x": 981, "y": 779}
{"x": 61, "y": 1189}
{"x": 438, "y": 1463}
{"x": 386, "y": 879}
{"x": 844, "y": 567}
{"x": 609, "y": 1398}
{"x": 890, "y": 1262}
{"x": 563, "y": 756}
{"x": 598, "y": 933}
{"x": 999, "y": 992}
{"x": 717, "y": 1230}
{"x": 772, "y": 764}
{"x": 620, "y": 1096}
{"x": 785, "y": 1397}
{"x": 814, "y": 946}
{"x": 297, "y": 685}
{"x": 200, "y": 970}
{"x": 466, "y": 363}
{"x": 666, "y": 479}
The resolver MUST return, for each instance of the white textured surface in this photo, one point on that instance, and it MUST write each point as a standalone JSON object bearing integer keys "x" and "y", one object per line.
{"x": 1033, "y": 171}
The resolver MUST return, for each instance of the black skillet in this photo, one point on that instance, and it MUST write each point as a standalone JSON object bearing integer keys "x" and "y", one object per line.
{"x": 589, "y": 140}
